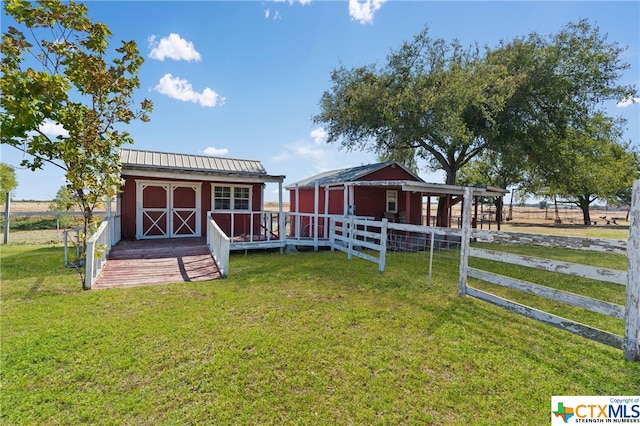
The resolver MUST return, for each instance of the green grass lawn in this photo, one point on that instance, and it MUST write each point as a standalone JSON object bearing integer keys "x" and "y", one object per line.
{"x": 304, "y": 338}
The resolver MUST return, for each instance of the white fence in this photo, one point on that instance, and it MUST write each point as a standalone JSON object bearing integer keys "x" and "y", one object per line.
{"x": 99, "y": 245}
{"x": 630, "y": 342}
{"x": 354, "y": 235}
{"x": 219, "y": 245}
{"x": 351, "y": 235}
{"x": 97, "y": 251}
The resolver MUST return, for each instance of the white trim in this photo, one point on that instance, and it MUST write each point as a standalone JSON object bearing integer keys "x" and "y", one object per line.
{"x": 232, "y": 197}
{"x": 169, "y": 210}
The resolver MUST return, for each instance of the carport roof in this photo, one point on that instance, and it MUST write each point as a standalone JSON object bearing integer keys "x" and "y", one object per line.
{"x": 351, "y": 174}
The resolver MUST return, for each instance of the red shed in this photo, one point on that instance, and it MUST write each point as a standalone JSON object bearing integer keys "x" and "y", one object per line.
{"x": 168, "y": 195}
{"x": 382, "y": 190}
{"x": 373, "y": 190}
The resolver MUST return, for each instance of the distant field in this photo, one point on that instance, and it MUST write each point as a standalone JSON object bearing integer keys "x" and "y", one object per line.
{"x": 528, "y": 219}
{"x": 29, "y": 206}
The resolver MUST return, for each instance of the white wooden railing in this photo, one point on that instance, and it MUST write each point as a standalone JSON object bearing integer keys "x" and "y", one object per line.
{"x": 265, "y": 227}
{"x": 98, "y": 247}
{"x": 352, "y": 234}
{"x": 219, "y": 246}
{"x": 249, "y": 226}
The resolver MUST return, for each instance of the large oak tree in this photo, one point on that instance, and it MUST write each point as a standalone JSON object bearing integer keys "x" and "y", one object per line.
{"x": 435, "y": 100}
{"x": 432, "y": 99}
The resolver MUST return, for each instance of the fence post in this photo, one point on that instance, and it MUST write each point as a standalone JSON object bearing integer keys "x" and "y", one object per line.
{"x": 7, "y": 215}
{"x": 383, "y": 245}
{"x": 89, "y": 265}
{"x": 433, "y": 237}
{"x": 464, "y": 244}
{"x": 632, "y": 311}
{"x": 350, "y": 236}
{"x": 332, "y": 232}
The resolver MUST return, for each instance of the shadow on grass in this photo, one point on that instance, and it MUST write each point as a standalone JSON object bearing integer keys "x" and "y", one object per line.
{"x": 28, "y": 271}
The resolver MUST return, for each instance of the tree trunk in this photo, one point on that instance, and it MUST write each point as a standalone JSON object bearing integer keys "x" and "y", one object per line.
{"x": 442, "y": 218}
{"x": 443, "y": 202}
{"x": 498, "y": 202}
{"x": 584, "y": 203}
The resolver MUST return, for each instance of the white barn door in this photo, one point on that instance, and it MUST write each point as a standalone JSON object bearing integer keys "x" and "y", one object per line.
{"x": 167, "y": 210}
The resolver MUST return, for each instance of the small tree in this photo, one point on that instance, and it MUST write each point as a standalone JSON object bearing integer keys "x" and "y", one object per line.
{"x": 8, "y": 180}
{"x": 61, "y": 76}
{"x": 596, "y": 168}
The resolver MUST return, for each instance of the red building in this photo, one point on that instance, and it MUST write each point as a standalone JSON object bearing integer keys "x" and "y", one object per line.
{"x": 382, "y": 190}
{"x": 168, "y": 195}
{"x": 373, "y": 190}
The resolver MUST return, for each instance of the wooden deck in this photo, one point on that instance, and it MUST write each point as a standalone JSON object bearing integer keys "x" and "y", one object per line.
{"x": 163, "y": 261}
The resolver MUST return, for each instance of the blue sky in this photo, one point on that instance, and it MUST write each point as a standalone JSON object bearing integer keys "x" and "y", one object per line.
{"x": 243, "y": 79}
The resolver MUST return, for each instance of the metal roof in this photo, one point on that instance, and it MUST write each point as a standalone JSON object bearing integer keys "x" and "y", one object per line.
{"x": 350, "y": 174}
{"x": 134, "y": 159}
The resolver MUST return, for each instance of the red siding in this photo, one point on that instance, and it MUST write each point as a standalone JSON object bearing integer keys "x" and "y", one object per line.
{"x": 369, "y": 200}
{"x": 128, "y": 203}
{"x": 128, "y": 208}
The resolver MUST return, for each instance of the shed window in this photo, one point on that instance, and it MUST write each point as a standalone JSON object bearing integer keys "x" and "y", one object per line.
{"x": 222, "y": 198}
{"x": 231, "y": 198}
{"x": 241, "y": 198}
{"x": 392, "y": 201}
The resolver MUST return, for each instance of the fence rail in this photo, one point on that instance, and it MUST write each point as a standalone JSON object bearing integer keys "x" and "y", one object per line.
{"x": 592, "y": 333}
{"x": 630, "y": 313}
{"x": 219, "y": 246}
{"x": 359, "y": 234}
{"x": 584, "y": 271}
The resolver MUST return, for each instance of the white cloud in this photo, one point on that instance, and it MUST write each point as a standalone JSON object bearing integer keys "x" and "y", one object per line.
{"x": 302, "y": 151}
{"x": 276, "y": 15}
{"x": 363, "y": 10}
{"x": 173, "y": 47}
{"x": 292, "y": 2}
{"x": 180, "y": 89}
{"x": 628, "y": 102}
{"x": 318, "y": 135}
{"x": 315, "y": 159}
{"x": 210, "y": 150}
{"x": 52, "y": 129}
